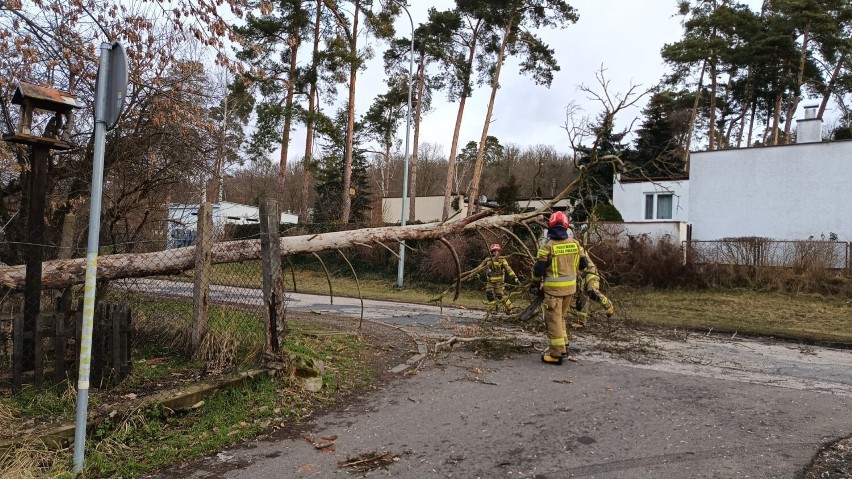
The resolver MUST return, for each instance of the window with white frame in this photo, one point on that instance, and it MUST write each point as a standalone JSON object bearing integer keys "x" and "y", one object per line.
{"x": 659, "y": 206}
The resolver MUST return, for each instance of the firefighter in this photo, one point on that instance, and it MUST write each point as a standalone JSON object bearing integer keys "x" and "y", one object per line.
{"x": 495, "y": 269}
{"x": 555, "y": 276}
{"x": 589, "y": 287}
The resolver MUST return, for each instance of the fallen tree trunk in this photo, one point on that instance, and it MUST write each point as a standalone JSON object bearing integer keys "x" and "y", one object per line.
{"x": 63, "y": 273}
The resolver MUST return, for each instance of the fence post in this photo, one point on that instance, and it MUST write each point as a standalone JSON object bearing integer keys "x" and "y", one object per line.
{"x": 38, "y": 350}
{"x": 115, "y": 322}
{"x": 201, "y": 287}
{"x": 270, "y": 250}
{"x": 59, "y": 342}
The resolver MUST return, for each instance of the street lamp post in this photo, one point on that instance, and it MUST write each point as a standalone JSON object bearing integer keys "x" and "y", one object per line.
{"x": 401, "y": 267}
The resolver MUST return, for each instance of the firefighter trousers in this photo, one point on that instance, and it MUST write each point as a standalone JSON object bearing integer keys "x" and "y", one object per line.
{"x": 555, "y": 310}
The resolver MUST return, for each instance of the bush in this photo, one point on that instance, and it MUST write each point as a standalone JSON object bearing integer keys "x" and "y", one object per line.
{"x": 607, "y": 212}
{"x": 644, "y": 262}
{"x": 753, "y": 263}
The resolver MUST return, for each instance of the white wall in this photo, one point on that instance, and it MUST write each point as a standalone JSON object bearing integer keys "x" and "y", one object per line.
{"x": 789, "y": 192}
{"x": 628, "y": 196}
{"x": 426, "y": 209}
{"x": 612, "y": 231}
{"x": 675, "y": 230}
{"x": 184, "y": 219}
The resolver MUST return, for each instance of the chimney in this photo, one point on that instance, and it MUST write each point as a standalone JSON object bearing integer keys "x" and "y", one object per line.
{"x": 809, "y": 129}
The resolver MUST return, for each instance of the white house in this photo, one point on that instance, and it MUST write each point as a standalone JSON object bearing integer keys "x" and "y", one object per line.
{"x": 787, "y": 192}
{"x": 427, "y": 209}
{"x": 655, "y": 207}
{"x": 183, "y": 220}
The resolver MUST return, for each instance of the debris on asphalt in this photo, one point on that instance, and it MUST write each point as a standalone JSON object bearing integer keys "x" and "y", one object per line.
{"x": 370, "y": 461}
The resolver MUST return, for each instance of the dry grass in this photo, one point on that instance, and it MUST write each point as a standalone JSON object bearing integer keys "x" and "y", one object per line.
{"x": 222, "y": 348}
{"x": 32, "y": 461}
{"x": 6, "y": 413}
{"x": 810, "y": 317}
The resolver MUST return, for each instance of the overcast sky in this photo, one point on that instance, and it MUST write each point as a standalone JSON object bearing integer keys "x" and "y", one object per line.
{"x": 623, "y": 36}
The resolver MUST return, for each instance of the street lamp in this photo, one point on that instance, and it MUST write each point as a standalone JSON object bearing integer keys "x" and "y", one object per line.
{"x": 401, "y": 266}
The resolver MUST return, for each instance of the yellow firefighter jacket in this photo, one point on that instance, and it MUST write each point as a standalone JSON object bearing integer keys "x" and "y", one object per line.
{"x": 496, "y": 268}
{"x": 562, "y": 257}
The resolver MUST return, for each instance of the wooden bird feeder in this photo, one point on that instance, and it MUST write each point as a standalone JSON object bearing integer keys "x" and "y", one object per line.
{"x": 34, "y": 97}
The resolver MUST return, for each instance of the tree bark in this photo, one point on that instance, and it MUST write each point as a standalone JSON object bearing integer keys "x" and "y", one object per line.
{"x": 751, "y": 122}
{"x": 201, "y": 284}
{"x": 692, "y": 117}
{"x": 712, "y": 114}
{"x": 215, "y": 196}
{"x": 346, "y": 210}
{"x": 451, "y": 163}
{"x": 309, "y": 135}
{"x": 273, "y": 291}
{"x": 829, "y": 88}
{"x": 63, "y": 273}
{"x": 800, "y": 77}
{"x": 421, "y": 80}
{"x": 749, "y": 98}
{"x": 480, "y": 154}
{"x": 776, "y": 120}
{"x": 288, "y": 118}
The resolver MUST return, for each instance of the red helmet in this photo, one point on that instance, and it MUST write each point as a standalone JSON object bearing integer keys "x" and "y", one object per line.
{"x": 494, "y": 247}
{"x": 558, "y": 219}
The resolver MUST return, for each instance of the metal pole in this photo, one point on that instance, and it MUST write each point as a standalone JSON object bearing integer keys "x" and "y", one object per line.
{"x": 91, "y": 262}
{"x": 401, "y": 266}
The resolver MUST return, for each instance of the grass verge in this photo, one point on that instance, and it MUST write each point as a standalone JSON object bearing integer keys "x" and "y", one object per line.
{"x": 808, "y": 317}
{"x": 152, "y": 437}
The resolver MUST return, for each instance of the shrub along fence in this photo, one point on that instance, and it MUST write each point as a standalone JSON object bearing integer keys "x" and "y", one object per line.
{"x": 806, "y": 266}
{"x": 758, "y": 252}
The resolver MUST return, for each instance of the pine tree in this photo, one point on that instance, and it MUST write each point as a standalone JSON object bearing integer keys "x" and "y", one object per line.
{"x": 330, "y": 175}
{"x": 596, "y": 188}
{"x": 513, "y": 23}
{"x": 661, "y": 138}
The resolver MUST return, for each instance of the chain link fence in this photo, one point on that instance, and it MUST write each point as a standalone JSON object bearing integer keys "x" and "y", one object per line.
{"x": 765, "y": 252}
{"x": 217, "y": 315}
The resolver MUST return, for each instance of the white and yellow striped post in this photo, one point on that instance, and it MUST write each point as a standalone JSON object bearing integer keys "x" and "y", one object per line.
{"x": 91, "y": 263}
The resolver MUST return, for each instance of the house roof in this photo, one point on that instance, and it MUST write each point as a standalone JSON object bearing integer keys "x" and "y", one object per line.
{"x": 652, "y": 179}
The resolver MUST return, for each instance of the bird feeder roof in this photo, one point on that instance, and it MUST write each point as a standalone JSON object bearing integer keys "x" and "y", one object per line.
{"x": 44, "y": 98}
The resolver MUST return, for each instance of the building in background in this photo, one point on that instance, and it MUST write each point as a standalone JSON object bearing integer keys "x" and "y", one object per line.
{"x": 799, "y": 191}
{"x": 183, "y": 220}
{"x": 656, "y": 207}
{"x": 427, "y": 209}
{"x": 788, "y": 192}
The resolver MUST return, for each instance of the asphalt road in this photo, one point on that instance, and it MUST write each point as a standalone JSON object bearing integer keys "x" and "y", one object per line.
{"x": 703, "y": 407}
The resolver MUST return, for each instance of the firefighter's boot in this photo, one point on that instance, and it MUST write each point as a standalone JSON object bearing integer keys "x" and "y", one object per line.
{"x": 508, "y": 305}
{"x": 546, "y": 358}
{"x": 579, "y": 318}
